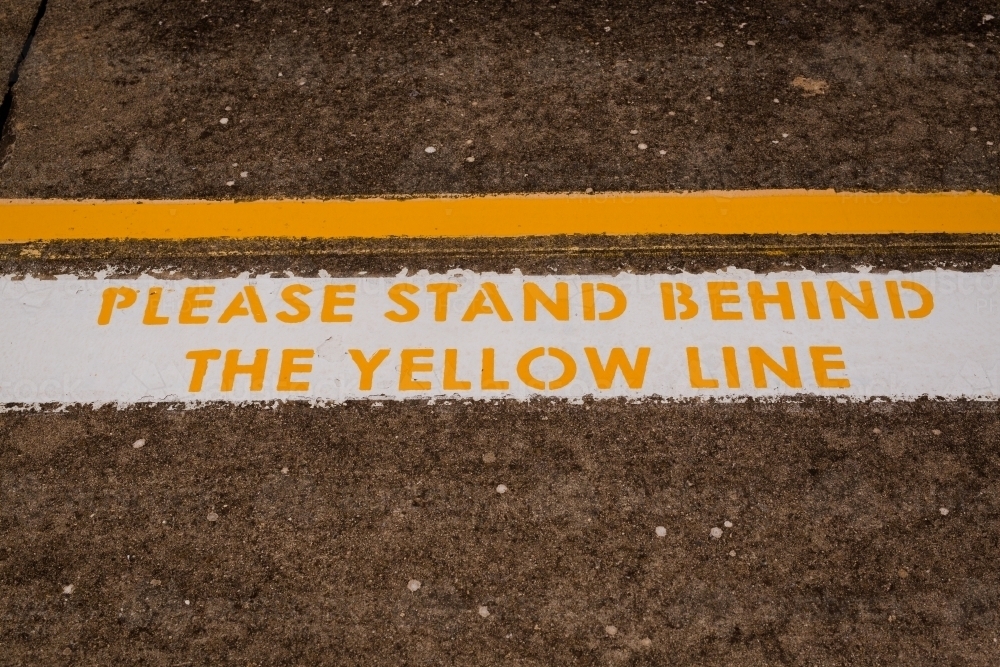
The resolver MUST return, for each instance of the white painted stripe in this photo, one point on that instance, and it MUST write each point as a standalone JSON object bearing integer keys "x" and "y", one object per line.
{"x": 858, "y": 335}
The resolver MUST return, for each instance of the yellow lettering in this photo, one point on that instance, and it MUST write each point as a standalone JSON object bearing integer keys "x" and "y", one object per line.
{"x": 300, "y": 312}
{"x": 236, "y": 307}
{"x": 410, "y": 310}
{"x": 451, "y": 381}
{"x": 533, "y": 295}
{"x": 152, "y": 316}
{"x": 567, "y": 376}
{"x": 864, "y": 305}
{"x": 332, "y": 300}
{"x": 441, "y": 292}
{"x": 201, "y": 359}
{"x": 409, "y": 365}
{"x": 232, "y": 367}
{"x": 717, "y": 300}
{"x": 191, "y": 302}
{"x": 789, "y": 373}
{"x": 683, "y": 297}
{"x": 488, "y": 381}
{"x": 758, "y": 300}
{"x": 732, "y": 370}
{"x": 604, "y": 374}
{"x": 120, "y": 297}
{"x": 822, "y": 367}
{"x": 698, "y": 379}
{"x": 812, "y": 301}
{"x": 288, "y": 366}
{"x": 480, "y": 307}
{"x": 367, "y": 367}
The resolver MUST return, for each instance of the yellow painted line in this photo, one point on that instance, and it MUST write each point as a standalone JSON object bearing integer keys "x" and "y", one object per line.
{"x": 750, "y": 212}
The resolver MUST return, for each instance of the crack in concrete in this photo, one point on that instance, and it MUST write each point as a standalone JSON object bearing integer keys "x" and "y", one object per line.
{"x": 6, "y": 137}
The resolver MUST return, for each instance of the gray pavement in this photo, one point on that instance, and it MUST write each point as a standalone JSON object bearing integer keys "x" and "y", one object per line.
{"x": 862, "y": 533}
{"x": 125, "y": 98}
{"x": 856, "y": 535}
{"x": 16, "y": 17}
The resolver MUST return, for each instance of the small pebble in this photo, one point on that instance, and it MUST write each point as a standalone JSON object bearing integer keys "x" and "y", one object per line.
{"x": 229, "y": 108}
{"x": 430, "y": 149}
{"x": 776, "y": 100}
{"x": 470, "y": 159}
{"x": 230, "y": 183}
{"x": 944, "y": 511}
{"x": 643, "y": 147}
{"x": 633, "y": 131}
{"x": 244, "y": 174}
{"x": 989, "y": 143}
{"x": 936, "y": 432}
{"x": 663, "y": 152}
{"x": 973, "y": 129}
{"x": 68, "y": 589}
{"x": 483, "y": 611}
{"x": 784, "y": 135}
{"x": 661, "y": 531}
{"x": 223, "y": 121}
{"x": 501, "y": 488}
{"x": 413, "y": 585}
{"x": 187, "y": 602}
{"x": 732, "y": 554}
{"x": 671, "y": 113}
{"x": 903, "y": 574}
{"x": 284, "y": 471}
{"x": 752, "y": 42}
{"x": 716, "y": 533}
{"x": 489, "y": 457}
{"x": 719, "y": 44}
{"x": 645, "y": 642}
{"x": 154, "y": 582}
{"x": 607, "y": 28}
{"x": 139, "y": 444}
{"x": 611, "y": 630}
{"x": 302, "y": 82}
{"x": 727, "y": 524}
{"x": 589, "y": 190}
{"x": 876, "y": 431}
{"x": 212, "y": 516}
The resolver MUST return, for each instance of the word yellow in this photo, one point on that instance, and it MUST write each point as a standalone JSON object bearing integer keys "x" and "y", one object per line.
{"x": 414, "y": 366}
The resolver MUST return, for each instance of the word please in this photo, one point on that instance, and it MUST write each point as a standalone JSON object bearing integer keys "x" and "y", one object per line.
{"x": 717, "y": 300}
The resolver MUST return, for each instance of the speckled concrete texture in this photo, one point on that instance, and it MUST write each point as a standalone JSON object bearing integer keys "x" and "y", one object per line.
{"x": 160, "y": 99}
{"x": 849, "y": 534}
{"x": 289, "y": 534}
{"x": 16, "y": 17}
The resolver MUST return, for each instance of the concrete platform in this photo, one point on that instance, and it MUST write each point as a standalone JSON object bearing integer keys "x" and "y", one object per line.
{"x": 16, "y": 17}
{"x": 861, "y": 533}
{"x": 127, "y": 99}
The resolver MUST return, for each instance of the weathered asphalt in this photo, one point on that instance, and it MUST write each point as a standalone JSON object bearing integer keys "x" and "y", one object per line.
{"x": 16, "y": 17}
{"x": 124, "y": 98}
{"x": 843, "y": 554}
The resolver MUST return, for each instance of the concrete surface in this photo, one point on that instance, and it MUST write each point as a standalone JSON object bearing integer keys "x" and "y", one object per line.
{"x": 860, "y": 535}
{"x": 843, "y": 554}
{"x": 124, "y": 98}
{"x": 219, "y": 258}
{"x": 16, "y": 17}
